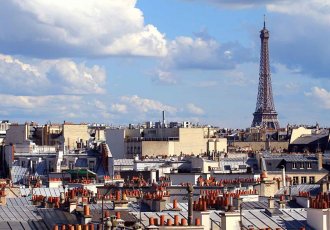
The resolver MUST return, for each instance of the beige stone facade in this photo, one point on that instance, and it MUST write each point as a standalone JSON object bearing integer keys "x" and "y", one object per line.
{"x": 74, "y": 135}
{"x": 189, "y": 141}
{"x": 163, "y": 141}
{"x": 260, "y": 145}
{"x": 310, "y": 178}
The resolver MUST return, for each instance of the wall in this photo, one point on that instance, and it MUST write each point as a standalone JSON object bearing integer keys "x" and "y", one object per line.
{"x": 178, "y": 178}
{"x": 296, "y": 133}
{"x": 73, "y": 133}
{"x": 231, "y": 176}
{"x": 191, "y": 141}
{"x": 317, "y": 218}
{"x": 230, "y": 221}
{"x": 115, "y": 141}
{"x": 219, "y": 144}
{"x": 260, "y": 145}
{"x": 303, "y": 201}
{"x": 17, "y": 134}
{"x": 318, "y": 175}
{"x": 161, "y": 133}
{"x": 99, "y": 134}
{"x": 156, "y": 148}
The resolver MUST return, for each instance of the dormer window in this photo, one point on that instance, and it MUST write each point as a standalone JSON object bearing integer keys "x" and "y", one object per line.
{"x": 294, "y": 165}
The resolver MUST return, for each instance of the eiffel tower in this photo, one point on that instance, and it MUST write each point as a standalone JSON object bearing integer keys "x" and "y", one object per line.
{"x": 265, "y": 115}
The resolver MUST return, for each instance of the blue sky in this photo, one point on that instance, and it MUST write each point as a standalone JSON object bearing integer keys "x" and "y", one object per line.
{"x": 121, "y": 62}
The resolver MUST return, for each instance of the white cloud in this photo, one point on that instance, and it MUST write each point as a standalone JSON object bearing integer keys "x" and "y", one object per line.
{"x": 206, "y": 84}
{"x": 56, "y": 108}
{"x": 17, "y": 76}
{"x": 100, "y": 105}
{"x": 72, "y": 28}
{"x": 319, "y": 10}
{"x": 75, "y": 78}
{"x": 195, "y": 109}
{"x": 40, "y": 77}
{"x": 204, "y": 53}
{"x": 54, "y": 104}
{"x": 164, "y": 77}
{"x": 147, "y": 105}
{"x": 238, "y": 4}
{"x": 119, "y": 108}
{"x": 321, "y": 95}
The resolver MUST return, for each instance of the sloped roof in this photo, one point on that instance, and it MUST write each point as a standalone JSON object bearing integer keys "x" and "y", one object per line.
{"x": 54, "y": 192}
{"x": 314, "y": 189}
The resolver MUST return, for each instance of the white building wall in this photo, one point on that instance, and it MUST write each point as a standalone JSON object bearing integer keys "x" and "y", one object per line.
{"x": 115, "y": 140}
{"x": 178, "y": 178}
{"x": 303, "y": 201}
{"x": 317, "y": 218}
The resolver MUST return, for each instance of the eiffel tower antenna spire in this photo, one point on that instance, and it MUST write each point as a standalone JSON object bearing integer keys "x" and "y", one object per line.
{"x": 264, "y": 21}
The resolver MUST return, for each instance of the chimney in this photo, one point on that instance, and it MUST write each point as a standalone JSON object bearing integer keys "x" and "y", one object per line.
{"x": 62, "y": 197}
{"x": 175, "y": 205}
{"x": 324, "y": 186}
{"x": 271, "y": 203}
{"x": 230, "y": 220}
{"x": 319, "y": 157}
{"x": 282, "y": 202}
{"x": 87, "y": 218}
{"x": 237, "y": 201}
{"x": 152, "y": 225}
{"x": 164, "y": 122}
{"x": 203, "y": 215}
{"x": 72, "y": 205}
{"x": 190, "y": 191}
{"x": 3, "y": 200}
{"x": 120, "y": 222}
{"x": 283, "y": 176}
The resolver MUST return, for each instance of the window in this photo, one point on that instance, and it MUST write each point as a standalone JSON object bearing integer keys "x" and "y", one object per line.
{"x": 91, "y": 165}
{"x": 34, "y": 166}
{"x": 71, "y": 164}
{"x": 312, "y": 179}
{"x": 294, "y": 165}
{"x": 301, "y": 165}
{"x": 308, "y": 165}
{"x": 295, "y": 180}
{"x": 303, "y": 180}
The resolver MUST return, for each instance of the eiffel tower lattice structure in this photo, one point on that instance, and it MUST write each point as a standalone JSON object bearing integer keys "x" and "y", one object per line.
{"x": 265, "y": 115}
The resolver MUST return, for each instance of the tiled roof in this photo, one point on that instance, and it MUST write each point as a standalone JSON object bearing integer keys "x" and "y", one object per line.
{"x": 53, "y": 216}
{"x": 307, "y": 139}
{"x": 17, "y": 174}
{"x": 290, "y": 219}
{"x": 54, "y": 192}
{"x": 291, "y": 157}
{"x": 20, "y": 217}
{"x": 118, "y": 162}
{"x": 18, "y": 201}
{"x": 314, "y": 189}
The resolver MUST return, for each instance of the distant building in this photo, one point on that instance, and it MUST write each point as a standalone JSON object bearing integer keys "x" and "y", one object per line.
{"x": 295, "y": 168}
{"x": 305, "y": 140}
{"x": 126, "y": 143}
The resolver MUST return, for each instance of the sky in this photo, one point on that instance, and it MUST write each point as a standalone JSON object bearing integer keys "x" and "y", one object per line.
{"x": 120, "y": 62}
